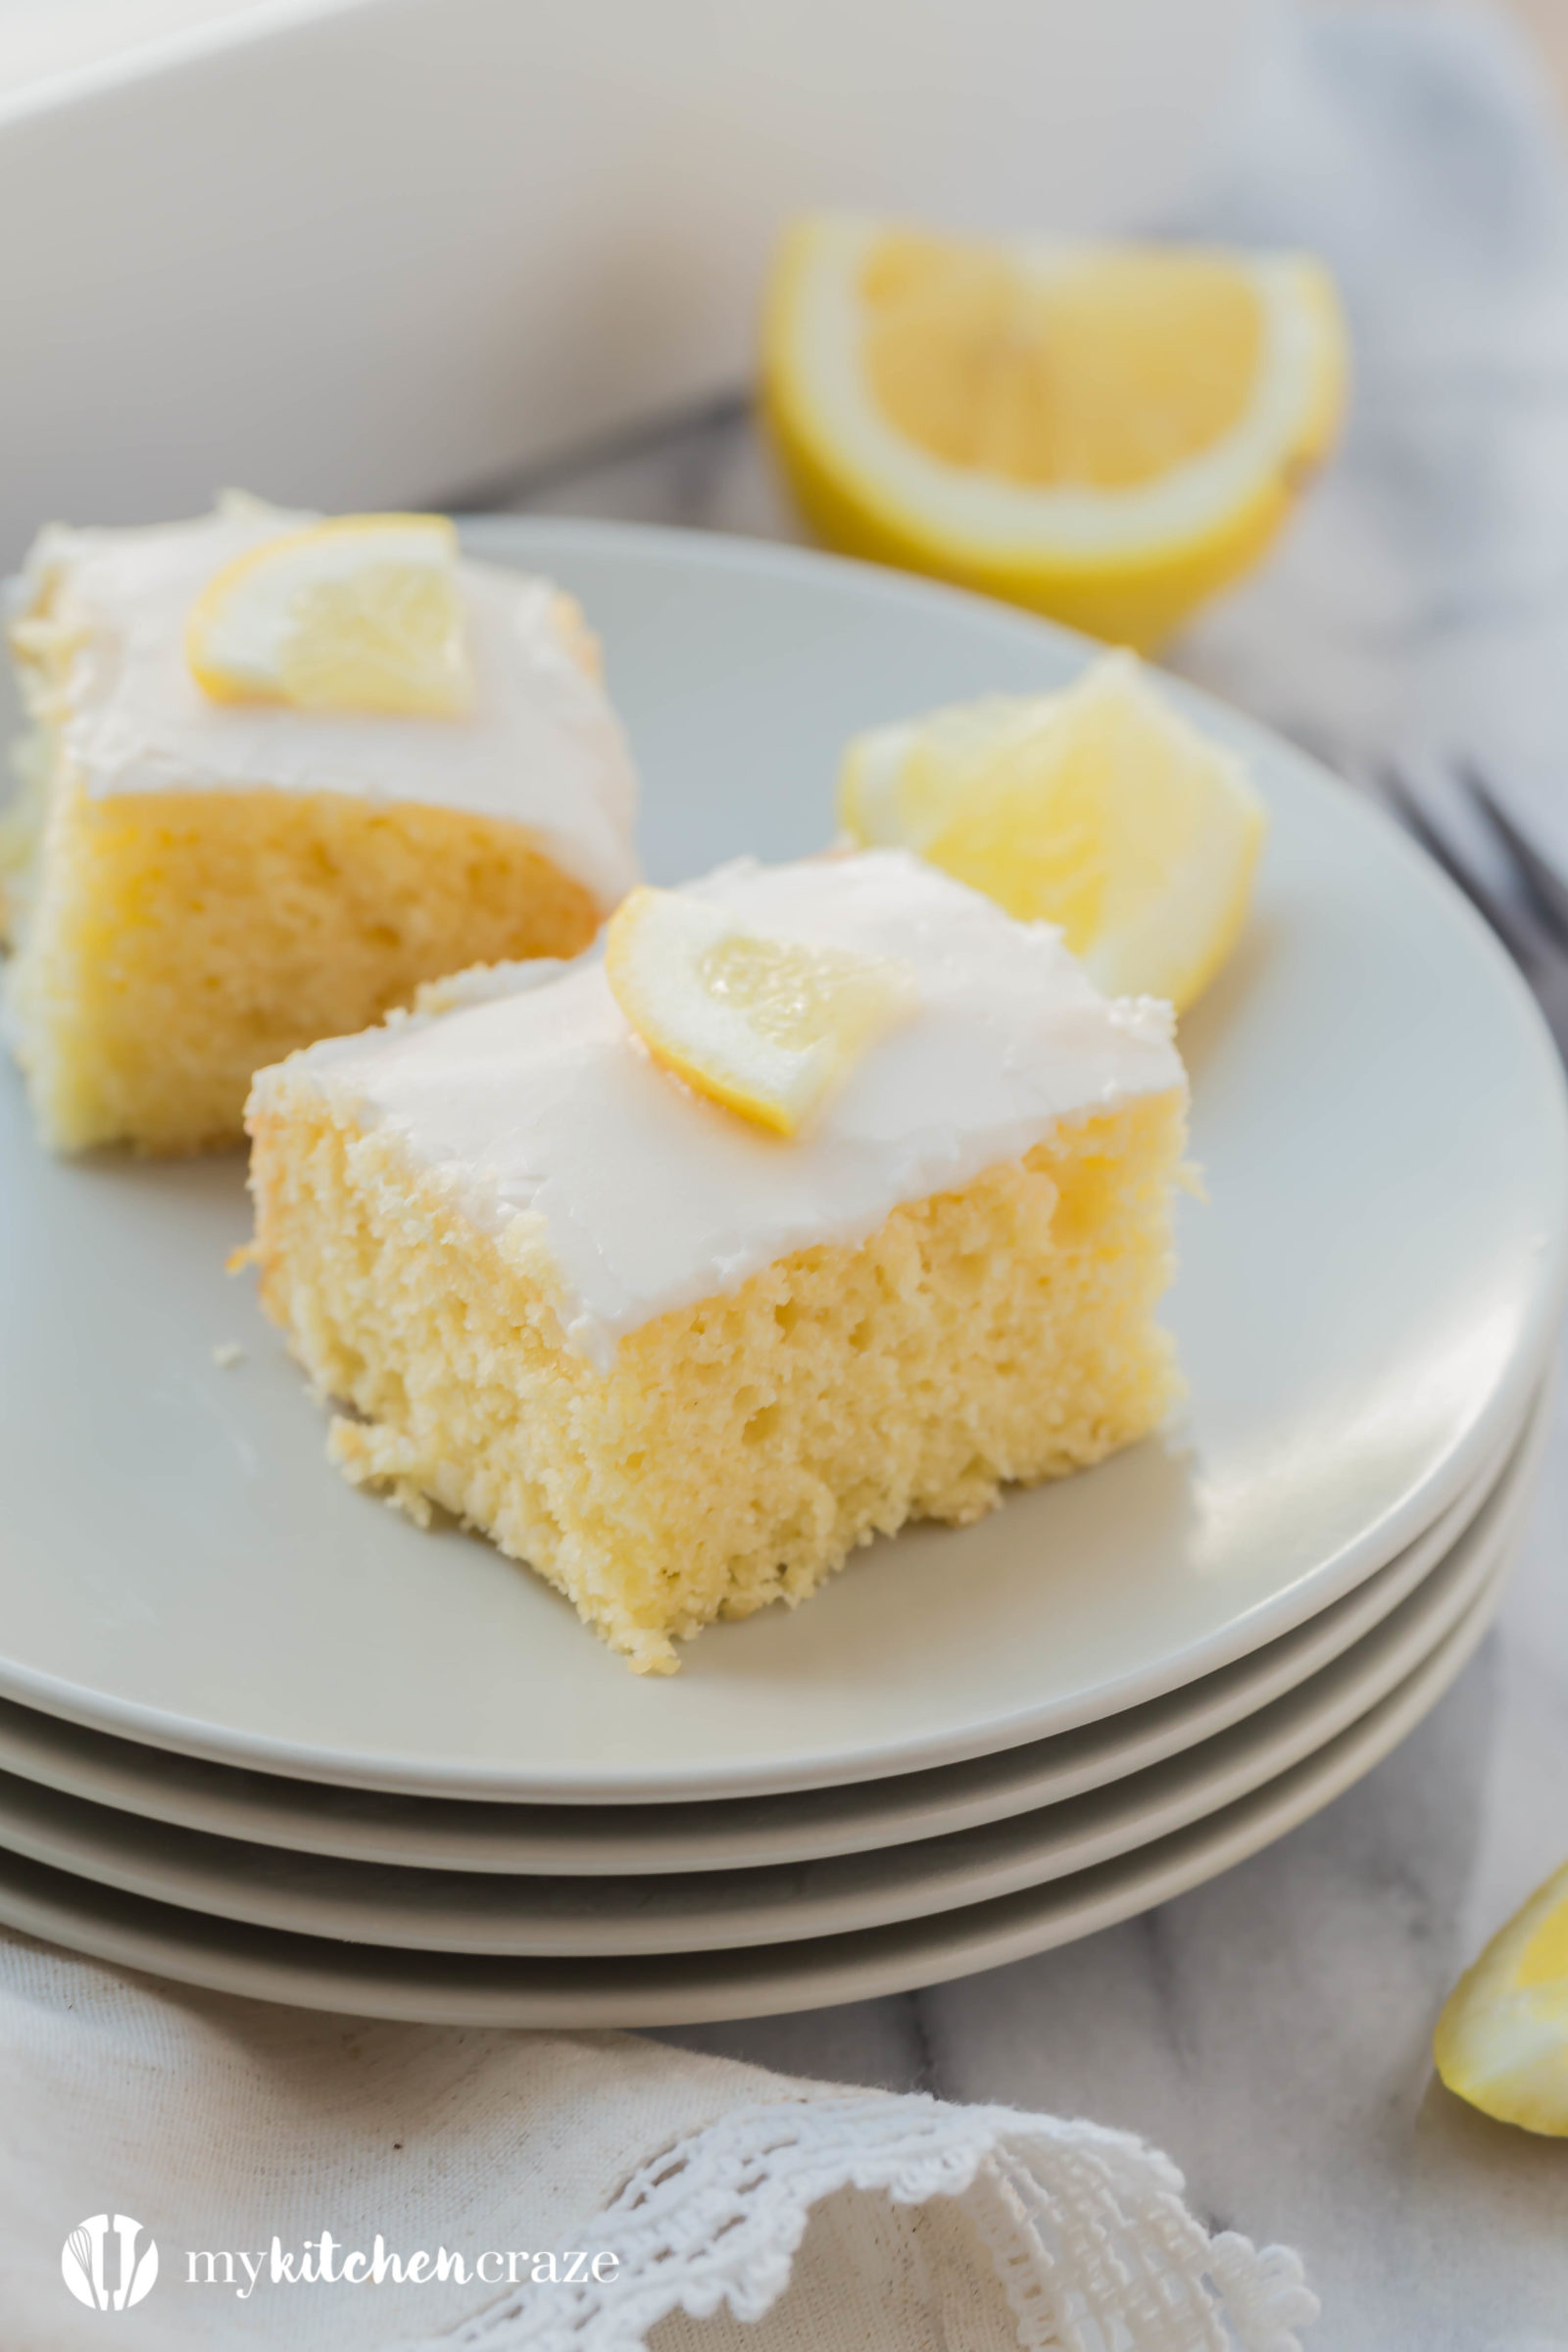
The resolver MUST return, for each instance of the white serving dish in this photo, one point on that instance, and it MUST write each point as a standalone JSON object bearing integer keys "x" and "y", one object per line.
{"x": 376, "y": 252}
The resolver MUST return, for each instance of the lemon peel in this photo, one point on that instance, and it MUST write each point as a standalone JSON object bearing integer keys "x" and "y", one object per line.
{"x": 1501, "y": 2041}
{"x": 1100, "y": 809}
{"x": 1104, "y": 433}
{"x": 768, "y": 1027}
{"x": 361, "y": 613}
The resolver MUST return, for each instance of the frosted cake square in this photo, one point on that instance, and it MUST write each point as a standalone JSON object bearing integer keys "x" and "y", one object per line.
{"x": 681, "y": 1366}
{"x": 194, "y": 886}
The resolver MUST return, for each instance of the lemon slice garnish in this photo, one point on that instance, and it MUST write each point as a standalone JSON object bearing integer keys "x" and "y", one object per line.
{"x": 1105, "y": 433}
{"x": 1502, "y": 2041}
{"x": 766, "y": 1026}
{"x": 359, "y": 615}
{"x": 1099, "y": 810}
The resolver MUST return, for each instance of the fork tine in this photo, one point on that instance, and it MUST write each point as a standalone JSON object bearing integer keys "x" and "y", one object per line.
{"x": 1510, "y": 925}
{"x": 1544, "y": 888}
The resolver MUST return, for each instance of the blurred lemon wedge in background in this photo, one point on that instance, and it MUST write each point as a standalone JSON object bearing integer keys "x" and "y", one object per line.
{"x": 1099, "y": 810}
{"x": 359, "y": 615}
{"x": 765, "y": 1026}
{"x": 1502, "y": 2041}
{"x": 1104, "y": 433}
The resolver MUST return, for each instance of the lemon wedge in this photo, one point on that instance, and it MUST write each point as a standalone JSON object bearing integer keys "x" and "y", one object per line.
{"x": 1503, "y": 2040}
{"x": 1104, "y": 433}
{"x": 358, "y": 615}
{"x": 766, "y": 1026}
{"x": 1099, "y": 810}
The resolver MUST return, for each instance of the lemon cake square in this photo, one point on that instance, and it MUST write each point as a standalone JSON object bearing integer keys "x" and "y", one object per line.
{"x": 679, "y": 1353}
{"x": 282, "y": 772}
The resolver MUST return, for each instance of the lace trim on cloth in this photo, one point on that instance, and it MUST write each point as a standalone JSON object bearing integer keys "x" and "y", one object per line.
{"x": 1091, "y": 2242}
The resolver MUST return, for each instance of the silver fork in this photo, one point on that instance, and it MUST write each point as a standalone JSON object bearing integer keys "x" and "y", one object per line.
{"x": 1528, "y": 910}
{"x": 1543, "y": 884}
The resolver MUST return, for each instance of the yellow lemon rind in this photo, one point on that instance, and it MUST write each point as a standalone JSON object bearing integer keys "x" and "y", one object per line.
{"x": 1501, "y": 2041}
{"x": 804, "y": 1074}
{"x": 921, "y": 785}
{"x": 1131, "y": 595}
{"x": 622, "y": 970}
{"x": 215, "y": 683}
{"x": 1182, "y": 987}
{"x": 761, "y": 1111}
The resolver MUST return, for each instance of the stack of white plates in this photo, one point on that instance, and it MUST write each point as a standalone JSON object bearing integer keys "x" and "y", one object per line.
{"x": 258, "y": 1733}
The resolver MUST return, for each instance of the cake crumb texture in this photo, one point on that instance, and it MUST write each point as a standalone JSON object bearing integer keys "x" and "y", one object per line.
{"x": 192, "y": 888}
{"x": 738, "y": 1451}
{"x": 177, "y": 941}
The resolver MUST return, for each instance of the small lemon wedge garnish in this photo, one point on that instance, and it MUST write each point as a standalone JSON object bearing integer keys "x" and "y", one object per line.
{"x": 362, "y": 613}
{"x": 766, "y": 1026}
{"x": 1503, "y": 2040}
{"x": 1106, "y": 433}
{"x": 1099, "y": 810}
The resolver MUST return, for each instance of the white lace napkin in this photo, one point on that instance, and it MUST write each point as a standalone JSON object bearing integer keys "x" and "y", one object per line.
{"x": 723, "y": 2207}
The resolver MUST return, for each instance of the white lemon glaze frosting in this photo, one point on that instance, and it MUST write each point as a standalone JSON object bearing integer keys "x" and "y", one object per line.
{"x": 541, "y": 745}
{"x": 525, "y": 1089}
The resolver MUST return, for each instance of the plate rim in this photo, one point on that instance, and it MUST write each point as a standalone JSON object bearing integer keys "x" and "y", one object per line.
{"x": 1028, "y": 1850}
{"x": 39, "y": 1901}
{"x": 736, "y": 1842}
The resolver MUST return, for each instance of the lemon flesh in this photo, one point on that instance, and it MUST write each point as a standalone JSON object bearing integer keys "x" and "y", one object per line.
{"x": 1104, "y": 433}
{"x": 359, "y": 614}
{"x": 1099, "y": 810}
{"x": 768, "y": 1027}
{"x": 1501, "y": 2041}
{"x": 1024, "y": 374}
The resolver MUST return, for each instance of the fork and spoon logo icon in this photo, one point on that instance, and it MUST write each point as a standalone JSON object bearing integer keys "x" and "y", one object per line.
{"x": 84, "y": 2263}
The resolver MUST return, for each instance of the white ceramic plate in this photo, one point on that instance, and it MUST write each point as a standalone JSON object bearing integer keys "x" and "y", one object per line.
{"x": 739, "y": 1833}
{"x": 543, "y": 1916}
{"x": 1362, "y": 1311}
{"x": 689, "y": 1988}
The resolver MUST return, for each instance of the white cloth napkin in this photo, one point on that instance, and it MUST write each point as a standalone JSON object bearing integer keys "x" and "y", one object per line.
{"x": 741, "y": 2209}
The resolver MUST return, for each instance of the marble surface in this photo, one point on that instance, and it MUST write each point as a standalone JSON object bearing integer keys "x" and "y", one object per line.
{"x": 1272, "y": 2029}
